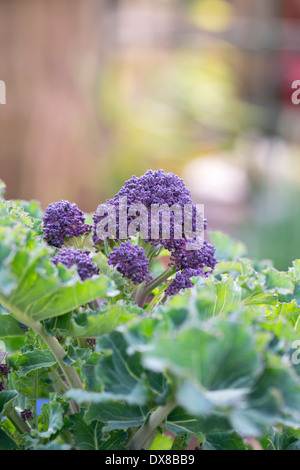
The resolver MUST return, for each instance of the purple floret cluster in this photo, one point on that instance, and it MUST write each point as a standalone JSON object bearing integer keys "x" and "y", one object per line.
{"x": 194, "y": 259}
{"x": 63, "y": 220}
{"x": 4, "y": 370}
{"x": 182, "y": 280}
{"x": 26, "y": 414}
{"x": 131, "y": 261}
{"x": 85, "y": 266}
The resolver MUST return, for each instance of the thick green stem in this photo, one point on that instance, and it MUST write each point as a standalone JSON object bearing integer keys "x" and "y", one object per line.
{"x": 59, "y": 353}
{"x": 144, "y": 436}
{"x": 163, "y": 277}
{"x": 20, "y": 425}
{"x": 36, "y": 388}
{"x": 140, "y": 300}
{"x": 156, "y": 299}
{"x": 138, "y": 291}
{"x": 59, "y": 385}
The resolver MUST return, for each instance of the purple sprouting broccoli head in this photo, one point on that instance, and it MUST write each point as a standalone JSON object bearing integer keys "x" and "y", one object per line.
{"x": 85, "y": 266}
{"x": 154, "y": 189}
{"x": 131, "y": 261}
{"x": 63, "y": 220}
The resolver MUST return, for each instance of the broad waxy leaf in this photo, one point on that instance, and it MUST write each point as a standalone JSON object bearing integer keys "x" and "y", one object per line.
{"x": 229, "y": 440}
{"x": 9, "y": 327}
{"x": 32, "y": 287}
{"x": 52, "y": 414}
{"x": 227, "y": 248}
{"x": 94, "y": 323}
{"x": 122, "y": 376}
{"x": 179, "y": 421}
{"x": 219, "y": 358}
{"x": 277, "y": 281}
{"x": 32, "y": 360}
{"x": 116, "y": 415}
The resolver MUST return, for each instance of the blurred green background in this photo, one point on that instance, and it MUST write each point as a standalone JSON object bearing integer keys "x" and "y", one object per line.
{"x": 100, "y": 90}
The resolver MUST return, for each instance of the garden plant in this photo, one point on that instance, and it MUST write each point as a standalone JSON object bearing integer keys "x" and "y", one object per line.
{"x": 131, "y": 340}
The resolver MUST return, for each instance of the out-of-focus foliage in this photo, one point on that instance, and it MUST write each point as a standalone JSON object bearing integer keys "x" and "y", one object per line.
{"x": 188, "y": 105}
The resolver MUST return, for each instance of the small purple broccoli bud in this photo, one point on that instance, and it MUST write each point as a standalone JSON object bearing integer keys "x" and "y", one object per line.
{"x": 85, "y": 266}
{"x": 194, "y": 259}
{"x": 1, "y": 387}
{"x": 131, "y": 261}
{"x": 181, "y": 281}
{"x": 63, "y": 220}
{"x": 91, "y": 342}
{"x": 26, "y": 414}
{"x": 190, "y": 263}
{"x": 4, "y": 370}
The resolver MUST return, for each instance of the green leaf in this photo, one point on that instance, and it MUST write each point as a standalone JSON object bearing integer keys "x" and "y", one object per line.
{"x": 180, "y": 421}
{"x": 2, "y": 188}
{"x": 116, "y": 415}
{"x": 216, "y": 297}
{"x": 275, "y": 398}
{"x": 76, "y": 356}
{"x": 261, "y": 298}
{"x": 224, "y": 441}
{"x": 219, "y": 358}
{"x": 32, "y": 360}
{"x": 239, "y": 267}
{"x": 115, "y": 440}
{"x": 280, "y": 440}
{"x": 9, "y": 327}
{"x": 11, "y": 210}
{"x": 90, "y": 436}
{"x": 227, "y": 248}
{"x": 162, "y": 442}
{"x": 101, "y": 261}
{"x": 53, "y": 446}
{"x": 88, "y": 372}
{"x": 295, "y": 271}
{"x": 181, "y": 441}
{"x": 52, "y": 419}
{"x": 289, "y": 311}
{"x": 94, "y": 323}
{"x": 6, "y": 396}
{"x": 6, "y": 442}
{"x": 86, "y": 436}
{"x": 122, "y": 376}
{"x": 278, "y": 281}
